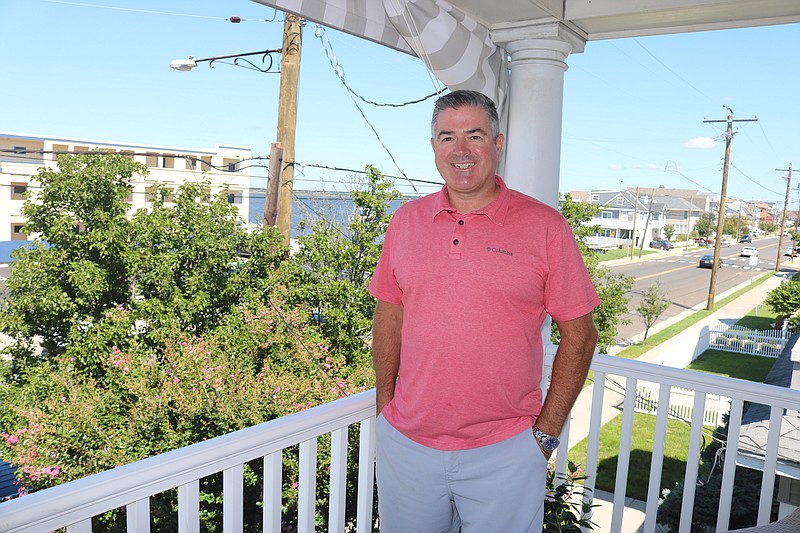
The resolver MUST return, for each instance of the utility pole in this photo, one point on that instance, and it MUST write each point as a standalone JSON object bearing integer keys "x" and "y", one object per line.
{"x": 635, "y": 216}
{"x": 712, "y": 287}
{"x": 287, "y": 118}
{"x": 783, "y": 217}
{"x": 647, "y": 222}
{"x": 271, "y": 204}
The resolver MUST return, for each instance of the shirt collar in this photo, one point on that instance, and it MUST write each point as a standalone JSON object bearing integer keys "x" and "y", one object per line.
{"x": 495, "y": 211}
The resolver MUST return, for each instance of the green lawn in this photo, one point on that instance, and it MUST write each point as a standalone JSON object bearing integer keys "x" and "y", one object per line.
{"x": 734, "y": 365}
{"x": 644, "y": 427}
{"x": 621, "y": 253}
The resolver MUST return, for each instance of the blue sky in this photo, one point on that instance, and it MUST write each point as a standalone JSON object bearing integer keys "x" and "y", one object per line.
{"x": 633, "y": 108}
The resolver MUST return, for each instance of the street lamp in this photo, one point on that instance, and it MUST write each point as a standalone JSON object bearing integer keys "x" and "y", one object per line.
{"x": 185, "y": 65}
{"x": 281, "y": 215}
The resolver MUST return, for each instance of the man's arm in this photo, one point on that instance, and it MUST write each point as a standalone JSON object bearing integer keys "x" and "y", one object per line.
{"x": 570, "y": 367}
{"x": 386, "y": 326}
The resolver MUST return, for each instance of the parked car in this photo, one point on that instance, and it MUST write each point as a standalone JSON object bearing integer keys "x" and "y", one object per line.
{"x": 662, "y": 244}
{"x": 791, "y": 251}
{"x": 746, "y": 238}
{"x": 726, "y": 241}
{"x": 704, "y": 241}
{"x": 749, "y": 251}
{"x": 707, "y": 261}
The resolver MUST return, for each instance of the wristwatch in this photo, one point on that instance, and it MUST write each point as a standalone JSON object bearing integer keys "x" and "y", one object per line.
{"x": 549, "y": 442}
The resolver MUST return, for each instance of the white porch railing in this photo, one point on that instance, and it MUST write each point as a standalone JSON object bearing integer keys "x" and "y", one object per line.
{"x": 73, "y": 504}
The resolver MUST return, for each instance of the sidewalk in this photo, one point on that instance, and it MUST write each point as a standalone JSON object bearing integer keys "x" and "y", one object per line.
{"x": 612, "y": 400}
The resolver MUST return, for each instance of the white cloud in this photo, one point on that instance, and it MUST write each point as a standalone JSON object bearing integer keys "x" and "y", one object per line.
{"x": 700, "y": 142}
{"x": 616, "y": 166}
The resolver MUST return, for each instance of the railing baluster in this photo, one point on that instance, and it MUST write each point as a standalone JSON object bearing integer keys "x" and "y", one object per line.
{"x": 189, "y": 507}
{"x": 307, "y": 494}
{"x": 596, "y": 420}
{"x": 338, "y": 483}
{"x": 561, "y": 458}
{"x": 233, "y": 499}
{"x": 623, "y": 460}
{"x": 273, "y": 491}
{"x": 770, "y": 463}
{"x": 366, "y": 475}
{"x": 657, "y": 460}
{"x": 692, "y": 463}
{"x": 729, "y": 468}
{"x": 138, "y": 516}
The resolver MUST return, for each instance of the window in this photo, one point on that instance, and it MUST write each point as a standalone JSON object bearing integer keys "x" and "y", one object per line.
{"x": 234, "y": 197}
{"x": 152, "y": 160}
{"x": 620, "y": 200}
{"x": 18, "y": 191}
{"x": 20, "y": 149}
{"x": 231, "y": 165}
{"x": 595, "y": 198}
{"x": 169, "y": 161}
{"x": 17, "y": 233}
{"x": 606, "y": 214}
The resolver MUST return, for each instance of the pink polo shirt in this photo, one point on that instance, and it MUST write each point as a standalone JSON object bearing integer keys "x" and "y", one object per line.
{"x": 475, "y": 289}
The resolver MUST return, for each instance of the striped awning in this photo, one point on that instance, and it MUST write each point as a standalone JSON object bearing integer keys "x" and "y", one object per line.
{"x": 457, "y": 49}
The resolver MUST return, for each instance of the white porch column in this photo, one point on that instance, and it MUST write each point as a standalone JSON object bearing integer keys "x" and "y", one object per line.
{"x": 535, "y": 101}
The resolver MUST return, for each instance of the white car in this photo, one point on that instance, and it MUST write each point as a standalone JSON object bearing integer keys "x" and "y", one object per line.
{"x": 791, "y": 251}
{"x": 749, "y": 251}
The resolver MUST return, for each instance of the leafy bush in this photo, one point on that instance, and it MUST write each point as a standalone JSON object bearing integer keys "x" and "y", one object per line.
{"x": 564, "y": 508}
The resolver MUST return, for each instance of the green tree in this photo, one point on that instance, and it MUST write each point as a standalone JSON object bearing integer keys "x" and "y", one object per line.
{"x": 176, "y": 267}
{"x": 610, "y": 287}
{"x": 767, "y": 227}
{"x": 669, "y": 231}
{"x": 785, "y": 301}
{"x": 706, "y": 226}
{"x": 330, "y": 272}
{"x": 651, "y": 306}
{"x": 79, "y": 265}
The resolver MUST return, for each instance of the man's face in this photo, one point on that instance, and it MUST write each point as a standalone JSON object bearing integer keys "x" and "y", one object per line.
{"x": 466, "y": 154}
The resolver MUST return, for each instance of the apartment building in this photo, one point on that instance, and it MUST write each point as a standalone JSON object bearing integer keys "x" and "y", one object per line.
{"x": 22, "y": 155}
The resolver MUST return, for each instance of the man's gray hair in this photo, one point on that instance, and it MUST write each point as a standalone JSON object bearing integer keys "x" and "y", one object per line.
{"x": 461, "y": 98}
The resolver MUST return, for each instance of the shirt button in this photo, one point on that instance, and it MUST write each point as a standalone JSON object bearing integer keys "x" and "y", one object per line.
{"x": 460, "y": 222}
{"x": 455, "y": 241}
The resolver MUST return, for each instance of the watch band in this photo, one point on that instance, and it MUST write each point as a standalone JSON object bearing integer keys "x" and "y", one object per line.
{"x": 548, "y": 442}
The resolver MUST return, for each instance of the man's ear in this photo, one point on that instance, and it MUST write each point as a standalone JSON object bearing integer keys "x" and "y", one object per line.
{"x": 498, "y": 143}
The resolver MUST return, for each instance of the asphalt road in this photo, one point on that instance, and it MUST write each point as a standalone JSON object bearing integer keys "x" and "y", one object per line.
{"x": 685, "y": 285}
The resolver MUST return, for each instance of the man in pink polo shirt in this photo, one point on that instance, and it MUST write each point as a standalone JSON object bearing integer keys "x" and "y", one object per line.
{"x": 464, "y": 283}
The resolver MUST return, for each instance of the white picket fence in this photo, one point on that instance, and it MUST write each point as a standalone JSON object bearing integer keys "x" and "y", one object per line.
{"x": 769, "y": 343}
{"x": 681, "y": 402}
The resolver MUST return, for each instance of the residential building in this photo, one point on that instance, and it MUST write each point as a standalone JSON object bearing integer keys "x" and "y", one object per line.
{"x": 765, "y": 211}
{"x": 623, "y": 218}
{"x": 22, "y": 155}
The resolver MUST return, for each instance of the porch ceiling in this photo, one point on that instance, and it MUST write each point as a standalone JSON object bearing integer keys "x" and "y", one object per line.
{"x": 592, "y": 19}
{"x": 628, "y": 18}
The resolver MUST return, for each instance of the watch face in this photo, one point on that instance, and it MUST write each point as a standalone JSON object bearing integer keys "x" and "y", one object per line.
{"x": 550, "y": 444}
